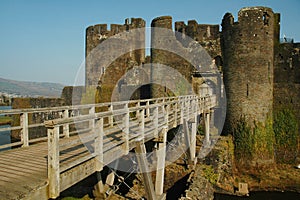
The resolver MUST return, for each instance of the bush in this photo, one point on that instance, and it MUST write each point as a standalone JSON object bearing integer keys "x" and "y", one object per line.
{"x": 286, "y": 136}
{"x": 253, "y": 142}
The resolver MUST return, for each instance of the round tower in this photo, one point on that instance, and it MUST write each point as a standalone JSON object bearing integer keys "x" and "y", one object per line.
{"x": 248, "y": 50}
{"x": 159, "y": 38}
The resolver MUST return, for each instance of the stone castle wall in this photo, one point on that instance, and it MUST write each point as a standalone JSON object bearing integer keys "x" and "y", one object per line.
{"x": 185, "y": 35}
{"x": 248, "y": 51}
{"x": 287, "y": 78}
{"x": 34, "y": 118}
{"x": 110, "y": 72}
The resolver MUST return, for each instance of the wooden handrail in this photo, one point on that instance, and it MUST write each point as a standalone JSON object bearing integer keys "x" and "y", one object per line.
{"x": 67, "y": 118}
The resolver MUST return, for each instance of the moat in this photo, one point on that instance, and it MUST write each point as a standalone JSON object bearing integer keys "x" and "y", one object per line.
{"x": 261, "y": 196}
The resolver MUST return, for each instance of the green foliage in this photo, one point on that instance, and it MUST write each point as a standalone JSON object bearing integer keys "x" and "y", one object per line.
{"x": 209, "y": 174}
{"x": 243, "y": 139}
{"x": 255, "y": 141}
{"x": 5, "y": 120}
{"x": 263, "y": 139}
{"x": 200, "y": 130}
{"x": 286, "y": 135}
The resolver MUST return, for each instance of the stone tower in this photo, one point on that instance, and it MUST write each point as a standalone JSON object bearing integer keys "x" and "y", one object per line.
{"x": 112, "y": 53}
{"x": 178, "y": 51}
{"x": 99, "y": 33}
{"x": 248, "y": 50}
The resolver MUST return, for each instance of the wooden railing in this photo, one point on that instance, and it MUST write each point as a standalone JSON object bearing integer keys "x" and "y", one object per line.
{"x": 113, "y": 132}
{"x": 26, "y": 124}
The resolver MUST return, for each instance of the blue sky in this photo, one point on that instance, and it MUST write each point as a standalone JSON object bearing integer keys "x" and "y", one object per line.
{"x": 45, "y": 40}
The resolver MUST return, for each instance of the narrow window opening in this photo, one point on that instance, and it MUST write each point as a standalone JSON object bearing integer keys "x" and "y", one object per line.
{"x": 247, "y": 90}
{"x": 266, "y": 18}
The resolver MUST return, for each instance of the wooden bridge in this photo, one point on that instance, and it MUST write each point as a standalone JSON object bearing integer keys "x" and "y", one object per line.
{"x": 80, "y": 140}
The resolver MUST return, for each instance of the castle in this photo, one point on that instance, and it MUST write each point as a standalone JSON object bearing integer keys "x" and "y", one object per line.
{"x": 260, "y": 73}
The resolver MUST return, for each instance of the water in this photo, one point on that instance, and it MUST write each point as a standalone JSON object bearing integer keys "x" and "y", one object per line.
{"x": 261, "y": 196}
{"x": 4, "y": 135}
{"x": 4, "y": 108}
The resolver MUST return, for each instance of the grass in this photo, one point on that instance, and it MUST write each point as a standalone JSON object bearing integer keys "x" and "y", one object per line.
{"x": 5, "y": 120}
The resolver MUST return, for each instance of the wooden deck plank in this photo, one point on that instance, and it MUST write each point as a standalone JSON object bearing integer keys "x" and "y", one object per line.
{"x": 26, "y": 165}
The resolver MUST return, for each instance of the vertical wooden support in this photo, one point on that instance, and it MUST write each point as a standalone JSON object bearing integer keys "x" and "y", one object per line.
{"x": 155, "y": 121}
{"x": 92, "y": 121}
{"x": 160, "y": 170}
{"x": 110, "y": 178}
{"x": 186, "y": 136}
{"x": 188, "y": 106}
{"x": 111, "y": 118}
{"x": 126, "y": 130}
{"x": 99, "y": 188}
{"x": 181, "y": 112}
{"x": 137, "y": 112}
{"x": 99, "y": 145}
{"x": 206, "y": 121}
{"x": 175, "y": 114}
{"x": 66, "y": 130}
{"x": 143, "y": 166}
{"x": 193, "y": 139}
{"x": 24, "y": 133}
{"x": 142, "y": 123}
{"x": 148, "y": 109}
{"x": 53, "y": 162}
{"x": 166, "y": 115}
{"x": 99, "y": 191}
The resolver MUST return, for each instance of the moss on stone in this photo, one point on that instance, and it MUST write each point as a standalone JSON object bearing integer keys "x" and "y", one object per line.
{"x": 286, "y": 136}
{"x": 254, "y": 145}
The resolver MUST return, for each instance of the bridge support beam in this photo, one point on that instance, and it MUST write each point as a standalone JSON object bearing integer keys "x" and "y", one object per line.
{"x": 101, "y": 190}
{"x": 143, "y": 167}
{"x": 190, "y": 139}
{"x": 207, "y": 131}
{"x": 160, "y": 168}
{"x": 193, "y": 139}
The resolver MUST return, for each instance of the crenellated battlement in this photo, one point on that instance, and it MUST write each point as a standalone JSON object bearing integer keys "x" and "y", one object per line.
{"x": 199, "y": 32}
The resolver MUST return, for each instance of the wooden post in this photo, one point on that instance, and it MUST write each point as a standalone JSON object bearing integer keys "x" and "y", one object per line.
{"x": 110, "y": 178}
{"x": 160, "y": 170}
{"x": 186, "y": 136}
{"x": 99, "y": 145}
{"x": 92, "y": 121}
{"x": 111, "y": 118}
{"x": 155, "y": 121}
{"x": 137, "y": 112}
{"x": 166, "y": 113}
{"x": 99, "y": 188}
{"x": 175, "y": 114}
{"x": 126, "y": 130}
{"x": 53, "y": 162}
{"x": 188, "y": 106}
{"x": 66, "y": 130}
{"x": 148, "y": 109}
{"x": 193, "y": 139}
{"x": 24, "y": 132}
{"x": 206, "y": 121}
{"x": 143, "y": 166}
{"x": 142, "y": 123}
{"x": 181, "y": 112}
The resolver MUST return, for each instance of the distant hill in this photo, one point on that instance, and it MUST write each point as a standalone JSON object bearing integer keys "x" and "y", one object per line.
{"x": 32, "y": 89}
